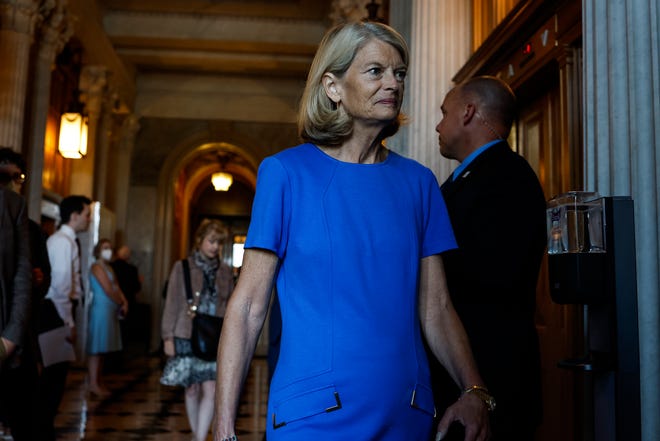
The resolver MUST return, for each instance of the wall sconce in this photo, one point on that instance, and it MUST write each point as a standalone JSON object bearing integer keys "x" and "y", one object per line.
{"x": 73, "y": 135}
{"x": 221, "y": 181}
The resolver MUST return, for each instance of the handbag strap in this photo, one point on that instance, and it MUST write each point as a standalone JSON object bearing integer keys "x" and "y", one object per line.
{"x": 186, "y": 280}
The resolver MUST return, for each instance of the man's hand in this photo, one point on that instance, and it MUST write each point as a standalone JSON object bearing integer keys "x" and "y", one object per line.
{"x": 73, "y": 335}
{"x": 37, "y": 276}
{"x": 7, "y": 349}
{"x": 472, "y": 413}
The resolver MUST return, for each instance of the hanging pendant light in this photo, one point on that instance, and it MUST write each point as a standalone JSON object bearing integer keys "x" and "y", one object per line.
{"x": 221, "y": 181}
{"x": 73, "y": 135}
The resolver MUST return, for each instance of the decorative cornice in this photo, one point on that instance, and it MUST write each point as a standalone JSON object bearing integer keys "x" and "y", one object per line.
{"x": 199, "y": 25}
{"x": 19, "y": 15}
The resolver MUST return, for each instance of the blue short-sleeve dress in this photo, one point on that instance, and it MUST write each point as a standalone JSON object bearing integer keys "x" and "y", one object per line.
{"x": 350, "y": 238}
{"x": 103, "y": 329}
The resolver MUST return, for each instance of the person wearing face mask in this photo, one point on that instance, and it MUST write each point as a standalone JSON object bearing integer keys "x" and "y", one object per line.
{"x": 107, "y": 306}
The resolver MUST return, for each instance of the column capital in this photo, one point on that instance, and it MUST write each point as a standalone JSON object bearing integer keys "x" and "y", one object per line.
{"x": 129, "y": 129}
{"x": 348, "y": 10}
{"x": 93, "y": 82}
{"x": 55, "y": 28}
{"x": 19, "y": 15}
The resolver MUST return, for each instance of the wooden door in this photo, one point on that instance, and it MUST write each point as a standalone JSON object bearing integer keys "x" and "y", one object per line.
{"x": 538, "y": 139}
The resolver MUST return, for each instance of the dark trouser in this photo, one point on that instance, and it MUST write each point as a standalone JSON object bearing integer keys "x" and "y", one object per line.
{"x": 19, "y": 400}
{"x": 53, "y": 379}
{"x": 51, "y": 390}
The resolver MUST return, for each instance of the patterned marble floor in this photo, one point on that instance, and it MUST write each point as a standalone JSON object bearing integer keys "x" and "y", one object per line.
{"x": 140, "y": 408}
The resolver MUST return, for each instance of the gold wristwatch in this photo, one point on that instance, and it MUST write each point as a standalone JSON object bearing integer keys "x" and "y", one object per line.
{"x": 483, "y": 394}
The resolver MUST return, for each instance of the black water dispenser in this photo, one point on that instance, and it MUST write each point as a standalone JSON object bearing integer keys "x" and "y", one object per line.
{"x": 591, "y": 262}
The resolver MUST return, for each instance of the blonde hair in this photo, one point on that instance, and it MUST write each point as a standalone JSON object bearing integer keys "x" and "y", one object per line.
{"x": 319, "y": 121}
{"x": 208, "y": 226}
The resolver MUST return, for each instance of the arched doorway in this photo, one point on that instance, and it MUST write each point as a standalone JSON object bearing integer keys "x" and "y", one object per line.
{"x": 186, "y": 196}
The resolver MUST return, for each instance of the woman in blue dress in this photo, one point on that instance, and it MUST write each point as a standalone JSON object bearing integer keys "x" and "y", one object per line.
{"x": 107, "y": 305}
{"x": 351, "y": 233}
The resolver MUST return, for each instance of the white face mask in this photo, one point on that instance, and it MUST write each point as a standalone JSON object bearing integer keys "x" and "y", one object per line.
{"x": 106, "y": 254}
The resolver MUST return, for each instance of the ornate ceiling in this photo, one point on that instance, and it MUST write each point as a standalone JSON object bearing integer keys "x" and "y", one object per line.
{"x": 248, "y": 37}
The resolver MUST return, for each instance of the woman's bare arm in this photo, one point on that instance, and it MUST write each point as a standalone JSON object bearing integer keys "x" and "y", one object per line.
{"x": 447, "y": 339}
{"x": 245, "y": 316}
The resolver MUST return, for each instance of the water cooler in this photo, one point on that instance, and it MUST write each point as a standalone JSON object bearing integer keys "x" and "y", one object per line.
{"x": 591, "y": 262}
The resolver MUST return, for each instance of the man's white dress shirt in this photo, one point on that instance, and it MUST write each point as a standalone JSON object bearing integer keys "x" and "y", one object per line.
{"x": 65, "y": 272}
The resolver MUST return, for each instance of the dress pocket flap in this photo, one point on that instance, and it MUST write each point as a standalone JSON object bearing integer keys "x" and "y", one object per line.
{"x": 422, "y": 399}
{"x": 306, "y": 404}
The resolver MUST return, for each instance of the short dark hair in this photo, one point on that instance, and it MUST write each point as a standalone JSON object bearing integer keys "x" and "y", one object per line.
{"x": 496, "y": 97}
{"x": 72, "y": 204}
{"x": 9, "y": 156}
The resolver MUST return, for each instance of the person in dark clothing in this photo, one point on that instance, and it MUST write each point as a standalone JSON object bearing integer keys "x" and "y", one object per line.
{"x": 497, "y": 209}
{"x": 127, "y": 274}
{"x": 17, "y": 365}
{"x": 22, "y": 380}
{"x": 130, "y": 284}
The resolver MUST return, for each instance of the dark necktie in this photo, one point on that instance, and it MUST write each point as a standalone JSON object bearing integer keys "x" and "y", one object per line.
{"x": 80, "y": 284}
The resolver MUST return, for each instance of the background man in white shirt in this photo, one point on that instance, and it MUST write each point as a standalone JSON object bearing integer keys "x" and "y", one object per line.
{"x": 63, "y": 294}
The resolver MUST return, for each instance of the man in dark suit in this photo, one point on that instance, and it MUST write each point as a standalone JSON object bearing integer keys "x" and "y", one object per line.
{"x": 497, "y": 208}
{"x": 23, "y": 378}
{"x": 15, "y": 299}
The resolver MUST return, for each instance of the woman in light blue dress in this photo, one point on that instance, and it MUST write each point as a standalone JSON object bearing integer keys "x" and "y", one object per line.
{"x": 351, "y": 233}
{"x": 106, "y": 307}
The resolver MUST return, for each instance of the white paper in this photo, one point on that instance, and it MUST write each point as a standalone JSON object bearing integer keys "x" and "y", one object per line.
{"x": 54, "y": 346}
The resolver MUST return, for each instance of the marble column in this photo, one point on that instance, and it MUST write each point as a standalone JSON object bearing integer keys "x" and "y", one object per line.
{"x": 622, "y": 141}
{"x": 17, "y": 22}
{"x": 439, "y": 45}
{"x": 569, "y": 174}
{"x": 101, "y": 152}
{"x": 93, "y": 82}
{"x": 401, "y": 20}
{"x": 54, "y": 31}
{"x": 127, "y": 134}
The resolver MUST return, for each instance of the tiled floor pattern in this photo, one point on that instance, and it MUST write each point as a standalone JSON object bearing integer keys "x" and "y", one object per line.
{"x": 141, "y": 409}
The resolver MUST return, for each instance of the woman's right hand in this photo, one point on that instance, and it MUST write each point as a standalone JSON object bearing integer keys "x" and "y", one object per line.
{"x": 168, "y": 347}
